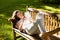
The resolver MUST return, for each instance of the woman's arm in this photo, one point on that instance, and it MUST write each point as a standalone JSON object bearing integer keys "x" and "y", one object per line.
{"x": 19, "y": 26}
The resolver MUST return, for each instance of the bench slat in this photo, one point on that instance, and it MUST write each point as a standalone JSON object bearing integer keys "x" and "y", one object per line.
{"x": 24, "y": 35}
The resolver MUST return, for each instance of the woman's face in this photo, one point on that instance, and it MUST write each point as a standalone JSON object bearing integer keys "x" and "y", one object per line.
{"x": 20, "y": 15}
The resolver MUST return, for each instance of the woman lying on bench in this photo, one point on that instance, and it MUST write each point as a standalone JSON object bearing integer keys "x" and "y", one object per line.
{"x": 25, "y": 23}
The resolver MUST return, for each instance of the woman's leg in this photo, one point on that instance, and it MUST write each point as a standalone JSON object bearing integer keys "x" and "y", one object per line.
{"x": 41, "y": 25}
{"x": 40, "y": 22}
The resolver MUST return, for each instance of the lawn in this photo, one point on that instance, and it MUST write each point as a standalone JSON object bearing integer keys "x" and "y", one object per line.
{"x": 8, "y": 6}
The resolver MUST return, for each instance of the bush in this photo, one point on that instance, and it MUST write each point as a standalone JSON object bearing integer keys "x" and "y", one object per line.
{"x": 51, "y": 1}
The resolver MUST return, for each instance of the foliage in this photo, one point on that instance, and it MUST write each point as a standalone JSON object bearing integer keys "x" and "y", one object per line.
{"x": 51, "y": 1}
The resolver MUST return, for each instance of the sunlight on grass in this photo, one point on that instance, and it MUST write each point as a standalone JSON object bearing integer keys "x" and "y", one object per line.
{"x": 2, "y": 15}
{"x": 51, "y": 9}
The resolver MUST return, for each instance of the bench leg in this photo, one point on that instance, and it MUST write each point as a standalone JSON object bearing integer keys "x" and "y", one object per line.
{"x": 14, "y": 35}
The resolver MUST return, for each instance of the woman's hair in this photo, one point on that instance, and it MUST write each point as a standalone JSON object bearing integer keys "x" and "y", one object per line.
{"x": 14, "y": 18}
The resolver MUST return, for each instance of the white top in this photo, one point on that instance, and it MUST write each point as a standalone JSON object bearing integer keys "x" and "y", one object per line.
{"x": 27, "y": 25}
{"x": 27, "y": 15}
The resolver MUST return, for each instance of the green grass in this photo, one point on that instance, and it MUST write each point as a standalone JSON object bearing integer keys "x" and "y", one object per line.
{"x": 8, "y": 6}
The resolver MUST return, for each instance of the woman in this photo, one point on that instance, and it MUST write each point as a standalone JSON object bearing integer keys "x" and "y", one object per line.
{"x": 26, "y": 24}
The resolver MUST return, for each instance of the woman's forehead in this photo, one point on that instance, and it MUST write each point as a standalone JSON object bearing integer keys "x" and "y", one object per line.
{"x": 19, "y": 13}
